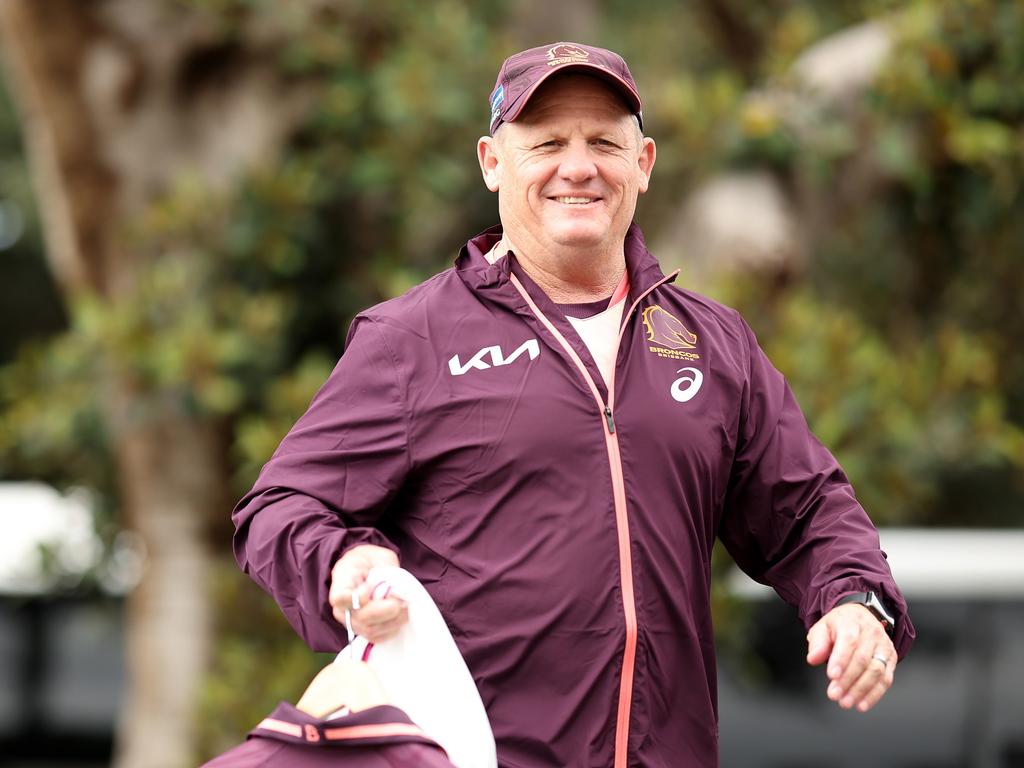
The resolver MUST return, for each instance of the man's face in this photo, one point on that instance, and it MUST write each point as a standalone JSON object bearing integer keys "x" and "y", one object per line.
{"x": 569, "y": 170}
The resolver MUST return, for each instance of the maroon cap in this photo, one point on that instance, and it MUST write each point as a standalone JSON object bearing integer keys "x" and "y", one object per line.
{"x": 522, "y": 73}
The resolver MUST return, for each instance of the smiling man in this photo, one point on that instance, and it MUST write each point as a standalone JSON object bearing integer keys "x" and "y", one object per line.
{"x": 550, "y": 436}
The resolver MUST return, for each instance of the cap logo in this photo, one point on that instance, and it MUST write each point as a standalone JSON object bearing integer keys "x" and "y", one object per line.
{"x": 498, "y": 97}
{"x": 564, "y": 53}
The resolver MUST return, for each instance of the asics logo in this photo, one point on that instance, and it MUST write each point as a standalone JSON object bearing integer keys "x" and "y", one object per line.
{"x": 494, "y": 355}
{"x": 685, "y": 387}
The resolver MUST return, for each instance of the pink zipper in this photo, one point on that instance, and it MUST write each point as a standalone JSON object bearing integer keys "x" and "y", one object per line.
{"x": 621, "y": 515}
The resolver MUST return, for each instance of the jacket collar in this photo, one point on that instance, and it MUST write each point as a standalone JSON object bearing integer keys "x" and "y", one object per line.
{"x": 478, "y": 274}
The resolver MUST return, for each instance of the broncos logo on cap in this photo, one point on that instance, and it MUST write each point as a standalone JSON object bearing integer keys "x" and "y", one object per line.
{"x": 564, "y": 53}
{"x": 665, "y": 330}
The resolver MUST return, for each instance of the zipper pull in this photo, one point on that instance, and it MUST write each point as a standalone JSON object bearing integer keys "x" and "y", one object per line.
{"x": 611, "y": 421}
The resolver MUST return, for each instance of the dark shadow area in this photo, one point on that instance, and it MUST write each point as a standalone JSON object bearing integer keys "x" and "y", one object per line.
{"x": 956, "y": 702}
{"x": 61, "y": 674}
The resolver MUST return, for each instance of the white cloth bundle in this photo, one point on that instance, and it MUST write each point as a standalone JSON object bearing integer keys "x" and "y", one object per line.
{"x": 424, "y": 674}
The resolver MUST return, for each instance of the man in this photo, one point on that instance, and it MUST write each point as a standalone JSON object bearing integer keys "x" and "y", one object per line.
{"x": 550, "y": 436}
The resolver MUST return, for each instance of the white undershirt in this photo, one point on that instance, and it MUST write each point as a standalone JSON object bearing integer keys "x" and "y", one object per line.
{"x": 599, "y": 332}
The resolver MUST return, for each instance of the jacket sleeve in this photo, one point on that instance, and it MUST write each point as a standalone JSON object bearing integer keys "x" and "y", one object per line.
{"x": 791, "y": 519}
{"x": 326, "y": 486}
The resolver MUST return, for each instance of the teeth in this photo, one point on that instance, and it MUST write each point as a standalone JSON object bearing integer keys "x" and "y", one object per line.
{"x": 575, "y": 200}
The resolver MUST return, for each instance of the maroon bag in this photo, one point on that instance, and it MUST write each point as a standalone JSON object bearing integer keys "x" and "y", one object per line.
{"x": 378, "y": 737}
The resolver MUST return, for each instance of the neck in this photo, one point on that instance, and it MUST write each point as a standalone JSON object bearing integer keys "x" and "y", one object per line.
{"x": 571, "y": 278}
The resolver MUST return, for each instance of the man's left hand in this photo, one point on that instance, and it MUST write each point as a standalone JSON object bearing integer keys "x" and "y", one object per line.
{"x": 861, "y": 657}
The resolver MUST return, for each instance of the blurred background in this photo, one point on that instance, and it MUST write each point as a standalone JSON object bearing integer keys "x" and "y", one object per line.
{"x": 196, "y": 196}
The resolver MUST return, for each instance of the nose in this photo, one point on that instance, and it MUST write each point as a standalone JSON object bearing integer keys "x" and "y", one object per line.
{"x": 576, "y": 163}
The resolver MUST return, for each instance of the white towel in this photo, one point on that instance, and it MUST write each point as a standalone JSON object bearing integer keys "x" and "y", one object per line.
{"x": 424, "y": 674}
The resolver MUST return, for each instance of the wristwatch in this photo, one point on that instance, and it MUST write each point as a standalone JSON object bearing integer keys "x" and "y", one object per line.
{"x": 873, "y": 603}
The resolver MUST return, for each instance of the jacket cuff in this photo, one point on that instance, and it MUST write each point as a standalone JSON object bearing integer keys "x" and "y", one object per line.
{"x": 335, "y": 636}
{"x": 903, "y": 632}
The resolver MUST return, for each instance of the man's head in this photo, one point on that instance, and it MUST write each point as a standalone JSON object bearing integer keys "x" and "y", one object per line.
{"x": 566, "y": 155}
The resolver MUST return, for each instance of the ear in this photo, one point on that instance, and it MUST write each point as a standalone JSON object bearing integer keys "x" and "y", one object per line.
{"x": 645, "y": 162}
{"x": 490, "y": 164}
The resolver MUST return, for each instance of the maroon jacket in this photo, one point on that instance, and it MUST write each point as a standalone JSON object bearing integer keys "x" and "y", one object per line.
{"x": 563, "y": 527}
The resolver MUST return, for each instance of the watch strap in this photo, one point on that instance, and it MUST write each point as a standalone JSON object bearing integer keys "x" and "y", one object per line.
{"x": 873, "y": 603}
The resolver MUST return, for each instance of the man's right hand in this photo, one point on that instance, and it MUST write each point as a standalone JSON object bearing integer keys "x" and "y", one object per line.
{"x": 375, "y": 620}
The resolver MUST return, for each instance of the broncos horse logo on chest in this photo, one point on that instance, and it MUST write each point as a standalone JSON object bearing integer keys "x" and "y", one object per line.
{"x": 665, "y": 330}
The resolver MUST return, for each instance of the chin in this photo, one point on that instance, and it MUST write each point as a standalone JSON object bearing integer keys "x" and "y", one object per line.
{"x": 579, "y": 236}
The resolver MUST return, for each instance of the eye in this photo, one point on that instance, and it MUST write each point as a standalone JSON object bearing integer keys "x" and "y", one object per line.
{"x": 606, "y": 143}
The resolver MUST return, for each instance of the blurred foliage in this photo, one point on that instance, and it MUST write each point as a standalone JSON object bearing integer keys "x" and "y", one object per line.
{"x": 901, "y": 416}
{"x": 900, "y": 337}
{"x": 258, "y": 662}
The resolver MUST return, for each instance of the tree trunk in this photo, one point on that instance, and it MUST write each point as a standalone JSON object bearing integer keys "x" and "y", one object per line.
{"x": 170, "y": 476}
{"x": 116, "y": 98}
{"x": 736, "y": 37}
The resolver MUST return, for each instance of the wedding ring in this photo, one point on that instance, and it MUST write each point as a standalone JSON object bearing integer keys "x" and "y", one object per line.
{"x": 881, "y": 658}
